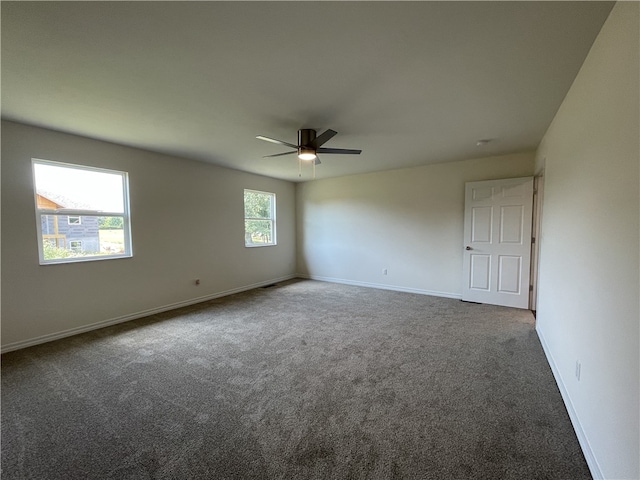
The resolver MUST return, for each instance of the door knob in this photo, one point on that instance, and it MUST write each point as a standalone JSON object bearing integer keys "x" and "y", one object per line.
{"x": 469, "y": 248}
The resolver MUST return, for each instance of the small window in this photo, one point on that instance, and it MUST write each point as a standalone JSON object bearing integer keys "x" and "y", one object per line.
{"x": 82, "y": 212}
{"x": 259, "y": 218}
{"x": 75, "y": 245}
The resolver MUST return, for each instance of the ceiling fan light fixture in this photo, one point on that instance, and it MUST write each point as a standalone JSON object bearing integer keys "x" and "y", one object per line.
{"x": 308, "y": 147}
{"x": 305, "y": 153}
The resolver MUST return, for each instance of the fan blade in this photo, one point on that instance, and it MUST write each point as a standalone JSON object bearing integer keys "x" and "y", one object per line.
{"x": 342, "y": 151}
{"x": 323, "y": 138}
{"x": 279, "y": 154}
{"x": 279, "y": 142}
{"x": 317, "y": 161}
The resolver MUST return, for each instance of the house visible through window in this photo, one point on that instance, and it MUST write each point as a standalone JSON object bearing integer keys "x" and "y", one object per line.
{"x": 82, "y": 212}
{"x": 259, "y": 218}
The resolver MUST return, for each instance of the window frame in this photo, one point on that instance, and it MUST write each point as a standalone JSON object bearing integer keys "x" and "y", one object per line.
{"x": 73, "y": 212}
{"x": 69, "y": 222}
{"x": 271, "y": 219}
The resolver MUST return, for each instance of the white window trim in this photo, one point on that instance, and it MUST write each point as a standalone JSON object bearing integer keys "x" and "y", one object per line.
{"x": 272, "y": 219}
{"x": 128, "y": 248}
{"x": 69, "y": 217}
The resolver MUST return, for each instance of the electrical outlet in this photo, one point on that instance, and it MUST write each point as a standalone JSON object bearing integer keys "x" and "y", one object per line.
{"x": 197, "y": 281}
{"x": 578, "y": 368}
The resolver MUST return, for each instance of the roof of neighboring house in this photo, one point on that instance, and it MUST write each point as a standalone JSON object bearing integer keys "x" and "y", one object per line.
{"x": 61, "y": 201}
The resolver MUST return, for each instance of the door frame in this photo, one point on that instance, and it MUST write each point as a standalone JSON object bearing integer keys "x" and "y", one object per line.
{"x": 536, "y": 239}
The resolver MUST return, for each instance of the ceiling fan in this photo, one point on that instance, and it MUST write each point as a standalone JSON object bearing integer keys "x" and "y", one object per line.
{"x": 309, "y": 146}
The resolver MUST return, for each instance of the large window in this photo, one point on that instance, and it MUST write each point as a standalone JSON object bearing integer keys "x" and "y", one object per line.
{"x": 82, "y": 212}
{"x": 259, "y": 218}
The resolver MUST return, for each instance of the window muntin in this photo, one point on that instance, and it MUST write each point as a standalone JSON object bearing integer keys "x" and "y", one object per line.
{"x": 259, "y": 218}
{"x": 82, "y": 212}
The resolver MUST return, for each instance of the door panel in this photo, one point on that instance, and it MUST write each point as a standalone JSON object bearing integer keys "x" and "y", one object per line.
{"x": 497, "y": 233}
{"x": 509, "y": 273}
{"x": 511, "y": 224}
{"x": 480, "y": 272}
{"x": 481, "y": 224}
{"x": 482, "y": 193}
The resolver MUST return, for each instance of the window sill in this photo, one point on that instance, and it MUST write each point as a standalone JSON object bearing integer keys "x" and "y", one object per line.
{"x": 96, "y": 258}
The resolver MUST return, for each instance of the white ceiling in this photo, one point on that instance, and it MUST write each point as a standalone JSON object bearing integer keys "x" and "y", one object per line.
{"x": 409, "y": 83}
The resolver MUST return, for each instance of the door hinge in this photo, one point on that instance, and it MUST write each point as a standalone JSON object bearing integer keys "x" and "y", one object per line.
{"x": 533, "y": 239}
{"x": 531, "y": 288}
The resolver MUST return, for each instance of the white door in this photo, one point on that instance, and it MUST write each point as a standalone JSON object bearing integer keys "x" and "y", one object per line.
{"x": 497, "y": 236}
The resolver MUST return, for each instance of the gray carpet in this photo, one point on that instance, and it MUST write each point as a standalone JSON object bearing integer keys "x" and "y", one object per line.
{"x": 303, "y": 380}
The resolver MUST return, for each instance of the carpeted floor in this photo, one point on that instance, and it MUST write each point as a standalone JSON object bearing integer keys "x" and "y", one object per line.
{"x": 303, "y": 380}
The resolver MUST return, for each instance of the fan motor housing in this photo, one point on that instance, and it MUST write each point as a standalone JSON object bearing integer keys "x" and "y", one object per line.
{"x": 306, "y": 136}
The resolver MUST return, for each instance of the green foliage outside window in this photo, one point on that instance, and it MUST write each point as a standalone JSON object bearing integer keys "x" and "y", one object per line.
{"x": 111, "y": 223}
{"x": 52, "y": 252}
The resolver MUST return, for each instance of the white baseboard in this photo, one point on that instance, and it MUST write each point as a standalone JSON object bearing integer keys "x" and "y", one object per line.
{"x": 592, "y": 462}
{"x": 125, "y": 318}
{"x": 382, "y": 286}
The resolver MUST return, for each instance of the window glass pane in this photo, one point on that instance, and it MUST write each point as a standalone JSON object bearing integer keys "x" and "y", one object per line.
{"x": 258, "y": 231}
{"x": 111, "y": 234}
{"x": 257, "y": 205}
{"x": 94, "y": 237}
{"x": 61, "y": 187}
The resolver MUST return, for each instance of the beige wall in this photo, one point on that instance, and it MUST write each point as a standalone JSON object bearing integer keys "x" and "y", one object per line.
{"x": 407, "y": 221}
{"x": 588, "y": 298}
{"x": 187, "y": 223}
